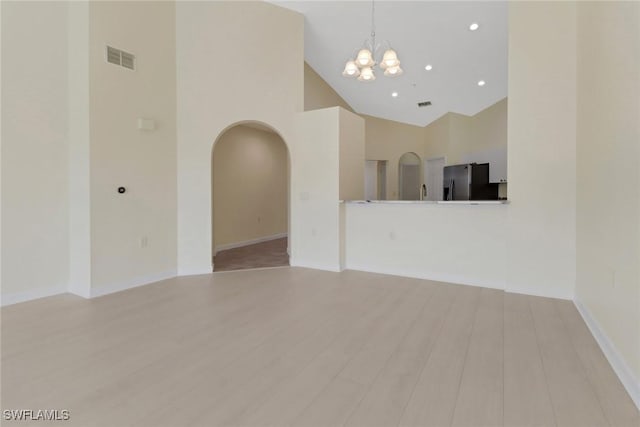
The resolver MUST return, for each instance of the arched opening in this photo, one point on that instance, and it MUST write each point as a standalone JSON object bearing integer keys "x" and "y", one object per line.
{"x": 249, "y": 198}
{"x": 409, "y": 182}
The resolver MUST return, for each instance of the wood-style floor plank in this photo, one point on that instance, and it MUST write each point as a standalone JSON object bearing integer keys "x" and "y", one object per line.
{"x": 572, "y": 396}
{"x": 526, "y": 395}
{"x": 386, "y": 399}
{"x": 364, "y": 367}
{"x": 434, "y": 398}
{"x": 299, "y": 347}
{"x": 480, "y": 397}
{"x": 614, "y": 400}
{"x": 284, "y": 404}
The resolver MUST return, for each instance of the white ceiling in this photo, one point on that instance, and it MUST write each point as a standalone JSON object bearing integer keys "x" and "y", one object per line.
{"x": 422, "y": 32}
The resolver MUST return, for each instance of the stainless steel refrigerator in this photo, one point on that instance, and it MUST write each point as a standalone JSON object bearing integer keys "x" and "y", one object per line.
{"x": 467, "y": 182}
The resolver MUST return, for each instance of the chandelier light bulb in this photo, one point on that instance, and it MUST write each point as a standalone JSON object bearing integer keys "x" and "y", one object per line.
{"x": 351, "y": 69}
{"x": 365, "y": 58}
{"x": 366, "y": 75}
{"x": 393, "y": 71}
{"x": 389, "y": 59}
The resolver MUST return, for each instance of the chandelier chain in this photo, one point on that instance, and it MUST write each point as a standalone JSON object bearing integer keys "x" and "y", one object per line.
{"x": 373, "y": 24}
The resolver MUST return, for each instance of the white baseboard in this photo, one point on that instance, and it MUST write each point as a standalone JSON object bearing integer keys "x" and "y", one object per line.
{"x": 195, "y": 271}
{"x": 537, "y": 293}
{"x": 620, "y": 367}
{"x": 17, "y": 297}
{"x": 314, "y": 266}
{"x": 81, "y": 291}
{"x": 248, "y": 242}
{"x": 436, "y": 277}
{"x": 131, "y": 283}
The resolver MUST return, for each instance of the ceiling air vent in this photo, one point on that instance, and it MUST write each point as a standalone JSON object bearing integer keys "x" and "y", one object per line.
{"x": 120, "y": 57}
{"x": 424, "y": 103}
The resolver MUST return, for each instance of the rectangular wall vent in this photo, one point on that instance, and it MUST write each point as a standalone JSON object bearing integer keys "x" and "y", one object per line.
{"x": 120, "y": 57}
{"x": 424, "y": 103}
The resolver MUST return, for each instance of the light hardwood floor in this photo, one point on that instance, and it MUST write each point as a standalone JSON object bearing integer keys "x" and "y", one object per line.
{"x": 298, "y": 347}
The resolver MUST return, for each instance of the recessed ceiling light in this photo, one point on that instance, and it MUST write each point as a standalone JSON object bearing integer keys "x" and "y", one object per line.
{"x": 474, "y": 26}
{"x": 428, "y": 67}
{"x": 481, "y": 83}
{"x": 394, "y": 94}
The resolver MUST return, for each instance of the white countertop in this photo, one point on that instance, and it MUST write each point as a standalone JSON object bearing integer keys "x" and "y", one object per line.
{"x": 430, "y": 202}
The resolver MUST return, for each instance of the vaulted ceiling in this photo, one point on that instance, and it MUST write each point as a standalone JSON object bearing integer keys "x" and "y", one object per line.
{"x": 423, "y": 33}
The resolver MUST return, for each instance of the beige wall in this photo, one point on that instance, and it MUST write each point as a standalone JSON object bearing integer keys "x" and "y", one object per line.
{"x": 608, "y": 165}
{"x": 457, "y": 137}
{"x": 437, "y": 135}
{"x": 389, "y": 140}
{"x": 250, "y": 199}
{"x": 351, "y": 140}
{"x": 460, "y": 138}
{"x": 541, "y": 153}
{"x": 122, "y": 155}
{"x": 489, "y": 127}
{"x": 35, "y": 193}
{"x": 318, "y": 94}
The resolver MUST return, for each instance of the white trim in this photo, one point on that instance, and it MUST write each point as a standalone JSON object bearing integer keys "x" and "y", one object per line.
{"x": 195, "y": 271}
{"x": 215, "y": 273}
{"x": 536, "y": 293}
{"x": 131, "y": 283}
{"x": 620, "y": 367}
{"x": 17, "y": 297}
{"x": 84, "y": 292}
{"x": 248, "y": 242}
{"x": 315, "y": 266}
{"x": 436, "y": 277}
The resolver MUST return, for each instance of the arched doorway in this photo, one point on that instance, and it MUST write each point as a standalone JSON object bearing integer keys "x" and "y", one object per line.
{"x": 250, "y": 198}
{"x": 409, "y": 177}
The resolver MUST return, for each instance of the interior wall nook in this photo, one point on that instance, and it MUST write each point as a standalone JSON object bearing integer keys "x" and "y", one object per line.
{"x": 250, "y": 182}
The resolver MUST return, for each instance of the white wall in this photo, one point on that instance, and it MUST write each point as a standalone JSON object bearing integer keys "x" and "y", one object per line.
{"x": 608, "y": 190}
{"x": 236, "y": 61}
{"x": 315, "y": 222}
{"x": 79, "y": 150}
{"x": 122, "y": 155}
{"x": 457, "y": 244}
{"x": 541, "y": 149}
{"x": 35, "y": 256}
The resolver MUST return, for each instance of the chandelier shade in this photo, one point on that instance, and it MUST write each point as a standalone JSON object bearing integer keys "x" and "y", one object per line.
{"x": 351, "y": 69}
{"x": 389, "y": 59}
{"x": 364, "y": 58}
{"x": 366, "y": 75}
{"x": 393, "y": 71}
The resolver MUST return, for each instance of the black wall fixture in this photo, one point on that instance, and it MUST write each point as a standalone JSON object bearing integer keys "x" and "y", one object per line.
{"x": 121, "y": 190}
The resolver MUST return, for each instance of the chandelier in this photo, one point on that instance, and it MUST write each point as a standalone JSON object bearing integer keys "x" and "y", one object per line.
{"x": 363, "y": 65}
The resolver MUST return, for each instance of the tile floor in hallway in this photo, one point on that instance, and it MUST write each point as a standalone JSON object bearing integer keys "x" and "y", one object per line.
{"x": 272, "y": 253}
